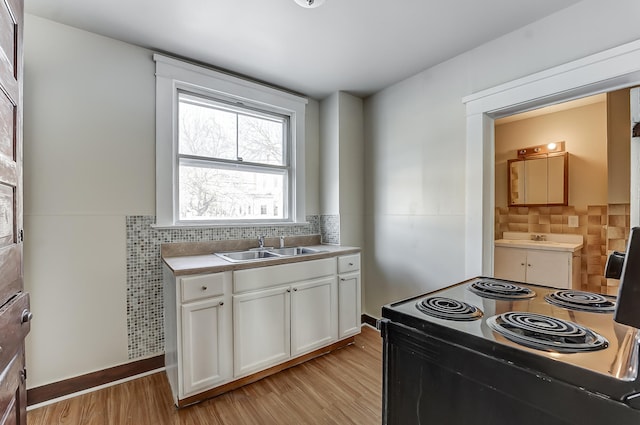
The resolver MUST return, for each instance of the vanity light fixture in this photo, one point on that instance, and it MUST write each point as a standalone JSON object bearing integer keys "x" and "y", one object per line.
{"x": 549, "y": 148}
{"x": 310, "y": 4}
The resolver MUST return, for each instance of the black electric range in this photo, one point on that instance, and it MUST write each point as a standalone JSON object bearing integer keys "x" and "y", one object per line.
{"x": 496, "y": 352}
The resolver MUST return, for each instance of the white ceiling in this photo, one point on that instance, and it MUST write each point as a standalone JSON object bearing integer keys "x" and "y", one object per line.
{"x": 358, "y": 46}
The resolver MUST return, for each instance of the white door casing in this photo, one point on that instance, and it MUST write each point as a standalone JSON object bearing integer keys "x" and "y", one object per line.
{"x": 609, "y": 70}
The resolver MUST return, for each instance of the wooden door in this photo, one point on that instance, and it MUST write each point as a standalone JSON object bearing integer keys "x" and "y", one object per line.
{"x": 14, "y": 304}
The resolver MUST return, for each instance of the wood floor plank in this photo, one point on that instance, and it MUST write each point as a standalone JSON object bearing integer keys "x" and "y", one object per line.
{"x": 343, "y": 387}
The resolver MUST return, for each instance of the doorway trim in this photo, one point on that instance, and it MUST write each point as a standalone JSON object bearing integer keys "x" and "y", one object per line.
{"x": 606, "y": 71}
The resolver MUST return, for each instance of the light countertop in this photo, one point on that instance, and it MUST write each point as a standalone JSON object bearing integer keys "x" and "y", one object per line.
{"x": 552, "y": 242}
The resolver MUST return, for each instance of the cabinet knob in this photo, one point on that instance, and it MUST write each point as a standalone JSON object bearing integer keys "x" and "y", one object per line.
{"x": 221, "y": 303}
{"x": 529, "y": 265}
{"x": 351, "y": 264}
{"x": 26, "y": 316}
{"x": 295, "y": 289}
{"x": 204, "y": 288}
{"x": 288, "y": 290}
{"x": 522, "y": 264}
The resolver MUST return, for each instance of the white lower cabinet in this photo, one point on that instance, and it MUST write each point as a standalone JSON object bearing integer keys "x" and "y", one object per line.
{"x": 261, "y": 328}
{"x": 349, "y": 304}
{"x": 220, "y": 327}
{"x": 198, "y": 332}
{"x": 273, "y": 325}
{"x": 206, "y": 354}
{"x": 349, "y": 310}
{"x": 558, "y": 269}
{"x": 313, "y": 315}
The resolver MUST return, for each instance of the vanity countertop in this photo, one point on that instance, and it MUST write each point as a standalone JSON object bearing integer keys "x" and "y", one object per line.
{"x": 551, "y": 242}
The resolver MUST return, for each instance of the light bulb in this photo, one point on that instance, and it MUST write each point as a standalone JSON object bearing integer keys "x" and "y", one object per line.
{"x": 310, "y": 4}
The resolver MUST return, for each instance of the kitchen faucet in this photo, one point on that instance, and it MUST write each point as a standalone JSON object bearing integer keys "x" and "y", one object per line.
{"x": 281, "y": 241}
{"x": 260, "y": 242}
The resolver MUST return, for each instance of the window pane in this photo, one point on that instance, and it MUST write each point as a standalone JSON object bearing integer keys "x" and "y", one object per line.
{"x": 261, "y": 140}
{"x": 220, "y": 194}
{"x": 206, "y": 131}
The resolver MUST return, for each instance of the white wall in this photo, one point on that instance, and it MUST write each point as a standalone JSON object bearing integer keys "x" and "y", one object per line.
{"x": 329, "y": 155}
{"x": 584, "y": 131}
{"x": 89, "y": 161}
{"x": 351, "y": 161}
{"x": 415, "y": 151}
{"x": 342, "y": 164}
{"x": 89, "y": 132}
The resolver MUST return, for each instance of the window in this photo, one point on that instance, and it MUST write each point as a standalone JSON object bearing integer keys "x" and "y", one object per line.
{"x": 227, "y": 150}
{"x": 230, "y": 158}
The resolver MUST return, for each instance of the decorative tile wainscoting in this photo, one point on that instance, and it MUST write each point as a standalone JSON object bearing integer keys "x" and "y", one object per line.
{"x": 604, "y": 228}
{"x": 330, "y": 228}
{"x": 144, "y": 271}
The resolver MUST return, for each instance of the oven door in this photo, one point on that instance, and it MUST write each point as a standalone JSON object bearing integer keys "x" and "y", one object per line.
{"x": 427, "y": 380}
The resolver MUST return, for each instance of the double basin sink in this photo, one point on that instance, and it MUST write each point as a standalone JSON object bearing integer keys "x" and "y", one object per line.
{"x": 265, "y": 253}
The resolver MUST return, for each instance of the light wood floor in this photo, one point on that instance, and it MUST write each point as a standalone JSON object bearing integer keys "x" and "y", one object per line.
{"x": 343, "y": 387}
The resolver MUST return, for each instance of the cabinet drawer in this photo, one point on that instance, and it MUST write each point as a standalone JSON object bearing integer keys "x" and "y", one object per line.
{"x": 203, "y": 286}
{"x": 348, "y": 263}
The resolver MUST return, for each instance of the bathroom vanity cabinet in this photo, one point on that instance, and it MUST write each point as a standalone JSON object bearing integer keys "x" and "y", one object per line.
{"x": 543, "y": 262}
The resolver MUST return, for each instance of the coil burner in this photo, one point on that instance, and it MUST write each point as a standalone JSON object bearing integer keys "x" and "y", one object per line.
{"x": 500, "y": 290}
{"x": 448, "y": 308}
{"x": 546, "y": 333}
{"x": 582, "y": 301}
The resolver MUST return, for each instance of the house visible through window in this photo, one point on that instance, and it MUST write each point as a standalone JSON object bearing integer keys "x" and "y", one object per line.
{"x": 231, "y": 160}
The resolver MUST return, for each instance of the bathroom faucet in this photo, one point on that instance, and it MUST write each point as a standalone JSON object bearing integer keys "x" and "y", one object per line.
{"x": 538, "y": 238}
{"x": 261, "y": 242}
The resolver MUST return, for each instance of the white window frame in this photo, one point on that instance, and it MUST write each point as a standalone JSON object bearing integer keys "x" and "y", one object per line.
{"x": 172, "y": 76}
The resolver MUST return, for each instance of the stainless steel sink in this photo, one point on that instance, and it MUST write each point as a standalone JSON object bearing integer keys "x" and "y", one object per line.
{"x": 239, "y": 256}
{"x": 264, "y": 254}
{"x": 296, "y": 250}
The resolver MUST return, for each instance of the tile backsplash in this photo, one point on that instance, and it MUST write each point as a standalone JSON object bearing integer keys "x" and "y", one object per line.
{"x": 603, "y": 227}
{"x": 330, "y": 228}
{"x": 144, "y": 271}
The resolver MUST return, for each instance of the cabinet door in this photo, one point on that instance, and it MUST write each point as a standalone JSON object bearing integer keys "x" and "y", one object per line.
{"x": 313, "y": 315}
{"x": 348, "y": 304}
{"x": 510, "y": 263}
{"x": 206, "y": 342}
{"x": 550, "y": 268}
{"x": 261, "y": 329}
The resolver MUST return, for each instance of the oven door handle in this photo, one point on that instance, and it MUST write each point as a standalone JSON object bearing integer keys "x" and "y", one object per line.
{"x": 633, "y": 401}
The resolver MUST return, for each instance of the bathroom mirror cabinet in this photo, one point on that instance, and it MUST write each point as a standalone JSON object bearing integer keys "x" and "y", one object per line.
{"x": 539, "y": 180}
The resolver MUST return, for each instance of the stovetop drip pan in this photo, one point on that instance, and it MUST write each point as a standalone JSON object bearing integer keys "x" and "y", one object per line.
{"x": 581, "y": 301}
{"x": 449, "y": 309}
{"x": 501, "y": 290}
{"x": 546, "y": 333}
